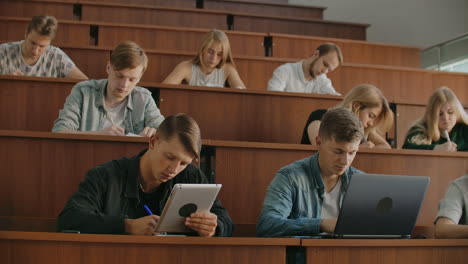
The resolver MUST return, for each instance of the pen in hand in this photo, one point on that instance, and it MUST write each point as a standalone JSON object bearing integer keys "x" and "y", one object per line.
{"x": 147, "y": 209}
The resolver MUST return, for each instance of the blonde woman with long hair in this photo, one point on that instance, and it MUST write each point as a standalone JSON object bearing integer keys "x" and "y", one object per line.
{"x": 373, "y": 110}
{"x": 212, "y": 66}
{"x": 444, "y": 125}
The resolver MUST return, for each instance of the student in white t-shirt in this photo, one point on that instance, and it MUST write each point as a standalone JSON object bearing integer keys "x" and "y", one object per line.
{"x": 34, "y": 56}
{"x": 308, "y": 75}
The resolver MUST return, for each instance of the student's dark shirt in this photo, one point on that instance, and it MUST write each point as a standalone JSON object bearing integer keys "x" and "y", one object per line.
{"x": 110, "y": 194}
{"x": 315, "y": 115}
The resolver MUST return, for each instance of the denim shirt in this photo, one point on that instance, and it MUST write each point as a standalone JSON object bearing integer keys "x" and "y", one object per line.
{"x": 84, "y": 109}
{"x": 293, "y": 201}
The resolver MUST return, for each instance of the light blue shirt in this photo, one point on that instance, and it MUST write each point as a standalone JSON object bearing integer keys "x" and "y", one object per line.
{"x": 293, "y": 201}
{"x": 84, "y": 109}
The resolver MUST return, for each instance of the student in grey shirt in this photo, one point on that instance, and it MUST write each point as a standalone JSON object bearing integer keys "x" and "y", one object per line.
{"x": 452, "y": 218}
{"x": 304, "y": 197}
{"x": 113, "y": 106}
{"x": 34, "y": 56}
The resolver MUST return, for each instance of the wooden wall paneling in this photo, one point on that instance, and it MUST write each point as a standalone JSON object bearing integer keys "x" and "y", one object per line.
{"x": 61, "y": 10}
{"x": 414, "y": 251}
{"x": 256, "y": 72}
{"x": 137, "y": 14}
{"x": 271, "y": 9}
{"x": 406, "y": 116}
{"x": 30, "y": 224}
{"x": 37, "y": 247}
{"x": 321, "y": 28}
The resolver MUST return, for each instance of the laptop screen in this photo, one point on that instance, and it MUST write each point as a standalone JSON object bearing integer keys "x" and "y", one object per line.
{"x": 381, "y": 205}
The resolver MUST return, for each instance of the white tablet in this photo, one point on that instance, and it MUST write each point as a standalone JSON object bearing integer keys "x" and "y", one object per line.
{"x": 184, "y": 200}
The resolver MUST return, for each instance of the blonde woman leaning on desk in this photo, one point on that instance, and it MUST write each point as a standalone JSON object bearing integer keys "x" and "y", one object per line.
{"x": 212, "y": 66}
{"x": 372, "y": 109}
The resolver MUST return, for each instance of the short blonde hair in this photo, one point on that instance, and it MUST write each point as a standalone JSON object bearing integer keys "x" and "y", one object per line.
{"x": 128, "y": 55}
{"x": 368, "y": 96}
{"x": 43, "y": 25}
{"x": 219, "y": 37}
{"x": 428, "y": 124}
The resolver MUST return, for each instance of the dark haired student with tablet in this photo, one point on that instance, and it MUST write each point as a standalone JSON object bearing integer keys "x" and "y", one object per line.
{"x": 112, "y": 198}
{"x": 304, "y": 197}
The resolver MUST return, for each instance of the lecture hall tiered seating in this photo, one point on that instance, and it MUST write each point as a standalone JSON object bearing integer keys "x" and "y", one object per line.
{"x": 247, "y": 134}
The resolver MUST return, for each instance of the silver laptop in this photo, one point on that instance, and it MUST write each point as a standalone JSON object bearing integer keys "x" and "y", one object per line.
{"x": 381, "y": 206}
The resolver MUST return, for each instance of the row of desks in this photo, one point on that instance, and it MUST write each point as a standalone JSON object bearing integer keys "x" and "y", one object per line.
{"x": 31, "y": 103}
{"x": 397, "y": 83}
{"x": 104, "y": 34}
{"x": 252, "y": 7}
{"x": 51, "y": 248}
{"x": 41, "y": 170}
{"x": 184, "y": 17}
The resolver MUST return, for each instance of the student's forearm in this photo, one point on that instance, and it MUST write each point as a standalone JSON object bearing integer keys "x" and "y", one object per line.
{"x": 451, "y": 231}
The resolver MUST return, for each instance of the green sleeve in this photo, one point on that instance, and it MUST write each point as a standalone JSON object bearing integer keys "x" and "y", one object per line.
{"x": 409, "y": 145}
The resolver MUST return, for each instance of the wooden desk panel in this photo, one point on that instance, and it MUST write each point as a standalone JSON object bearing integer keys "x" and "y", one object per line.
{"x": 69, "y": 33}
{"x": 299, "y": 27}
{"x": 406, "y": 117}
{"x": 238, "y": 115}
{"x": 256, "y": 165}
{"x": 36, "y": 247}
{"x": 245, "y": 169}
{"x": 423, "y": 251}
{"x": 290, "y": 46}
{"x": 397, "y": 83}
{"x": 148, "y": 15}
{"x": 41, "y": 173}
{"x": 59, "y": 9}
{"x": 269, "y": 9}
{"x": 225, "y": 114}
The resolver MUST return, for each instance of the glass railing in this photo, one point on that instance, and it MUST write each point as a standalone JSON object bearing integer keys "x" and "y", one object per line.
{"x": 450, "y": 56}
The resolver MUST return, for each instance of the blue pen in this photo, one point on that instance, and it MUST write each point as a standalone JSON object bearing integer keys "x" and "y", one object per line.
{"x": 147, "y": 209}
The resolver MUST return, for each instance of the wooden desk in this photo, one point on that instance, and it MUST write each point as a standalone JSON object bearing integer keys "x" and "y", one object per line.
{"x": 184, "y": 17}
{"x": 225, "y": 114}
{"x": 104, "y": 34}
{"x": 270, "y": 9}
{"x": 37, "y": 247}
{"x": 354, "y": 51}
{"x": 42, "y": 170}
{"x": 415, "y": 251}
{"x": 397, "y": 83}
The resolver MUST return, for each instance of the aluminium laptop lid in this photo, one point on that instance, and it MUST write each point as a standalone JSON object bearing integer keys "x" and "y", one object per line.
{"x": 381, "y": 206}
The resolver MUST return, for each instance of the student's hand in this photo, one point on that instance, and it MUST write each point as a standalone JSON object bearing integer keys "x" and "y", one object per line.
{"x": 204, "y": 223}
{"x": 447, "y": 146}
{"x": 142, "y": 226}
{"x": 147, "y": 132}
{"x": 113, "y": 131}
{"x": 328, "y": 225}
{"x": 367, "y": 144}
{"x": 17, "y": 72}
